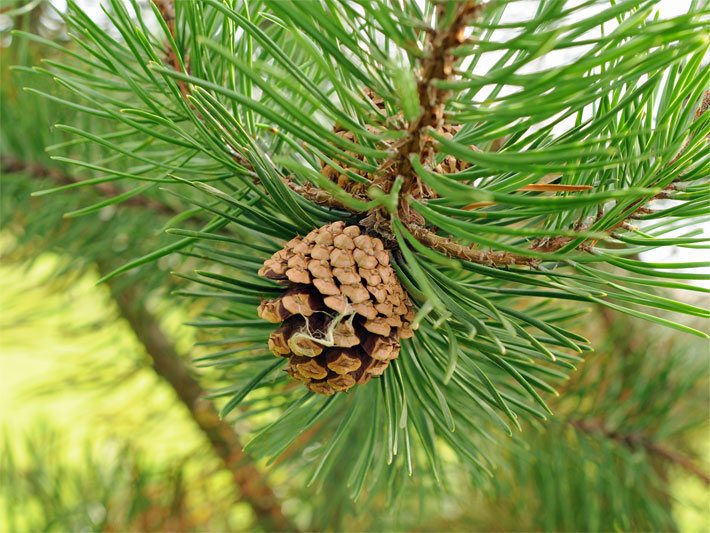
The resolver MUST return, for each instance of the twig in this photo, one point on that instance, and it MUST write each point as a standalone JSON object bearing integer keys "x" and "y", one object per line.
{"x": 167, "y": 11}
{"x": 316, "y": 195}
{"x": 634, "y": 440}
{"x": 640, "y": 207}
{"x": 702, "y": 108}
{"x": 456, "y": 250}
{"x": 170, "y": 365}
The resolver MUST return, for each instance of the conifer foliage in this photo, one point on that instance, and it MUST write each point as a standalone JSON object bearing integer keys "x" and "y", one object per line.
{"x": 440, "y": 203}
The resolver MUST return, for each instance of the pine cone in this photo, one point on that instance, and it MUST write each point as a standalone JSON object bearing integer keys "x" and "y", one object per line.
{"x": 344, "y": 311}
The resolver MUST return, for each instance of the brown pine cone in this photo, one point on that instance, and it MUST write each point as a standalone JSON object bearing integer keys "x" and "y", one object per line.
{"x": 343, "y": 312}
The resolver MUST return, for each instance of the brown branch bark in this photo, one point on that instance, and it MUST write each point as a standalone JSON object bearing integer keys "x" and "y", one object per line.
{"x": 453, "y": 249}
{"x": 702, "y": 108}
{"x": 317, "y": 195}
{"x": 170, "y": 366}
{"x": 167, "y": 11}
{"x": 633, "y": 440}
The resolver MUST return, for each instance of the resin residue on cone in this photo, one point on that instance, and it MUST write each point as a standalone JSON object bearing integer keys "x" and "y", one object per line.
{"x": 343, "y": 312}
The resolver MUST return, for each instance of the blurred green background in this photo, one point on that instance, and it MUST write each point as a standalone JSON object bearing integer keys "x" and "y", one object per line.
{"x": 93, "y": 439}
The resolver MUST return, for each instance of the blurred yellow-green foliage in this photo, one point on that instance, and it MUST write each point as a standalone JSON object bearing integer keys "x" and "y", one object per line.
{"x": 90, "y": 423}
{"x": 94, "y": 433}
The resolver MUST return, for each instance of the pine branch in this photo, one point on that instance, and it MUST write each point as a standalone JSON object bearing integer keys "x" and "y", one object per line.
{"x": 437, "y": 65}
{"x": 166, "y": 8}
{"x": 638, "y": 208}
{"x": 171, "y": 367}
{"x": 324, "y": 49}
{"x": 459, "y": 251}
{"x": 636, "y": 440}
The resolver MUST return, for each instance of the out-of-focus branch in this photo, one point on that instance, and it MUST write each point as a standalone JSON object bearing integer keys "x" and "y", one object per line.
{"x": 169, "y": 365}
{"x": 13, "y": 165}
{"x": 636, "y": 440}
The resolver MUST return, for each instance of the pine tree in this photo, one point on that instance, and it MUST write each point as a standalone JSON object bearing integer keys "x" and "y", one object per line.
{"x": 483, "y": 203}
